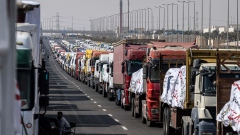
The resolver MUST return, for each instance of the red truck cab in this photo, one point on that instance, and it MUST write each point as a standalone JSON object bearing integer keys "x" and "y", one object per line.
{"x": 133, "y": 62}
{"x": 151, "y": 107}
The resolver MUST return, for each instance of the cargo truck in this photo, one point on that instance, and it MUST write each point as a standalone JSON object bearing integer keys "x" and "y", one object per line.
{"x": 76, "y": 64}
{"x": 147, "y": 104}
{"x": 121, "y": 70}
{"x": 109, "y": 83}
{"x": 95, "y": 56}
{"x": 191, "y": 108}
{"x": 103, "y": 59}
{"x": 32, "y": 77}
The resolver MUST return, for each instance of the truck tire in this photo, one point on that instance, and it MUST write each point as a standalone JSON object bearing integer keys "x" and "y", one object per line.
{"x": 92, "y": 86}
{"x": 104, "y": 92}
{"x": 132, "y": 107}
{"x": 143, "y": 119}
{"x": 96, "y": 87}
{"x": 88, "y": 83}
{"x": 99, "y": 89}
{"x": 126, "y": 108}
{"x": 166, "y": 121}
{"x": 150, "y": 123}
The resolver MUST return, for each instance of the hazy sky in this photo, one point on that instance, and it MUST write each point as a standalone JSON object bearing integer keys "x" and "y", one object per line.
{"x": 84, "y": 10}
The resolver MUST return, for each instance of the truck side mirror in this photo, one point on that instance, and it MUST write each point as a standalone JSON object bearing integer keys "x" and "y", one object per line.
{"x": 122, "y": 68}
{"x": 148, "y": 51}
{"x": 144, "y": 76}
{"x": 191, "y": 88}
{"x": 43, "y": 82}
{"x": 97, "y": 68}
{"x": 44, "y": 101}
{"x": 107, "y": 69}
{"x": 43, "y": 63}
{"x": 126, "y": 51}
{"x": 145, "y": 71}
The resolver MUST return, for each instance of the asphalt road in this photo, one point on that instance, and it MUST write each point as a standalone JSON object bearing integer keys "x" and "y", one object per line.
{"x": 92, "y": 113}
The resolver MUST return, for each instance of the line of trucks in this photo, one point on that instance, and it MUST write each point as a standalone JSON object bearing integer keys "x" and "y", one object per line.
{"x": 175, "y": 84}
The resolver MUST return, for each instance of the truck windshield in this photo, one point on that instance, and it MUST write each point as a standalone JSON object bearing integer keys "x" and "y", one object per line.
{"x": 209, "y": 85}
{"x": 154, "y": 73}
{"x": 133, "y": 66}
{"x": 24, "y": 83}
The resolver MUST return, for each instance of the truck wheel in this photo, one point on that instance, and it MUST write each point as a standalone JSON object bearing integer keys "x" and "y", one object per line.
{"x": 99, "y": 89}
{"x": 96, "y": 87}
{"x": 92, "y": 86}
{"x": 126, "y": 108}
{"x": 104, "y": 92}
{"x": 166, "y": 121}
{"x": 150, "y": 123}
{"x": 132, "y": 108}
{"x": 88, "y": 83}
{"x": 143, "y": 120}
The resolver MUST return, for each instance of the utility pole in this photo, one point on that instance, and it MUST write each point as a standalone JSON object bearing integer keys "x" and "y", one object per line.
{"x": 202, "y": 25}
{"x": 177, "y": 20}
{"x": 120, "y": 19}
{"x": 128, "y": 17}
{"x": 209, "y": 31}
{"x": 237, "y": 25}
{"x": 227, "y": 22}
{"x": 182, "y": 21}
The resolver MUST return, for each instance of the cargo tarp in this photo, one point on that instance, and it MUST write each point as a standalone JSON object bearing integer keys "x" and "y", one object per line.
{"x": 229, "y": 115}
{"x": 179, "y": 93}
{"x": 105, "y": 73}
{"x": 136, "y": 84}
{"x": 169, "y": 85}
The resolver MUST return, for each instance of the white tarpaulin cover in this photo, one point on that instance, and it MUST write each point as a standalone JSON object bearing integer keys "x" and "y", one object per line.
{"x": 229, "y": 115}
{"x": 136, "y": 84}
{"x": 105, "y": 73}
{"x": 179, "y": 93}
{"x": 96, "y": 73}
{"x": 169, "y": 85}
{"x": 82, "y": 64}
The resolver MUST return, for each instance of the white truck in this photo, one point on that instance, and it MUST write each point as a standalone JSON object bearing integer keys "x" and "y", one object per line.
{"x": 103, "y": 59}
{"x": 109, "y": 87}
{"x": 32, "y": 77}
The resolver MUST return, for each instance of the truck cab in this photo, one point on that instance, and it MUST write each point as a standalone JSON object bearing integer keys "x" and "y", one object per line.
{"x": 132, "y": 63}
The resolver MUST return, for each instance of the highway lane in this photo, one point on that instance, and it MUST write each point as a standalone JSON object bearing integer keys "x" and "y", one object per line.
{"x": 93, "y": 114}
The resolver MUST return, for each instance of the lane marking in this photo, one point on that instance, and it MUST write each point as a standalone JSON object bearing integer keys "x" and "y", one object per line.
{"x": 99, "y": 106}
{"x": 95, "y": 102}
{"x": 104, "y": 110}
{"x": 88, "y": 96}
{"x": 124, "y": 128}
{"x": 85, "y": 94}
{"x": 116, "y": 120}
{"x": 91, "y": 99}
{"x": 110, "y": 115}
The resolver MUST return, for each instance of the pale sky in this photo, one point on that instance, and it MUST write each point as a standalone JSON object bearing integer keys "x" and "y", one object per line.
{"x": 84, "y": 10}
